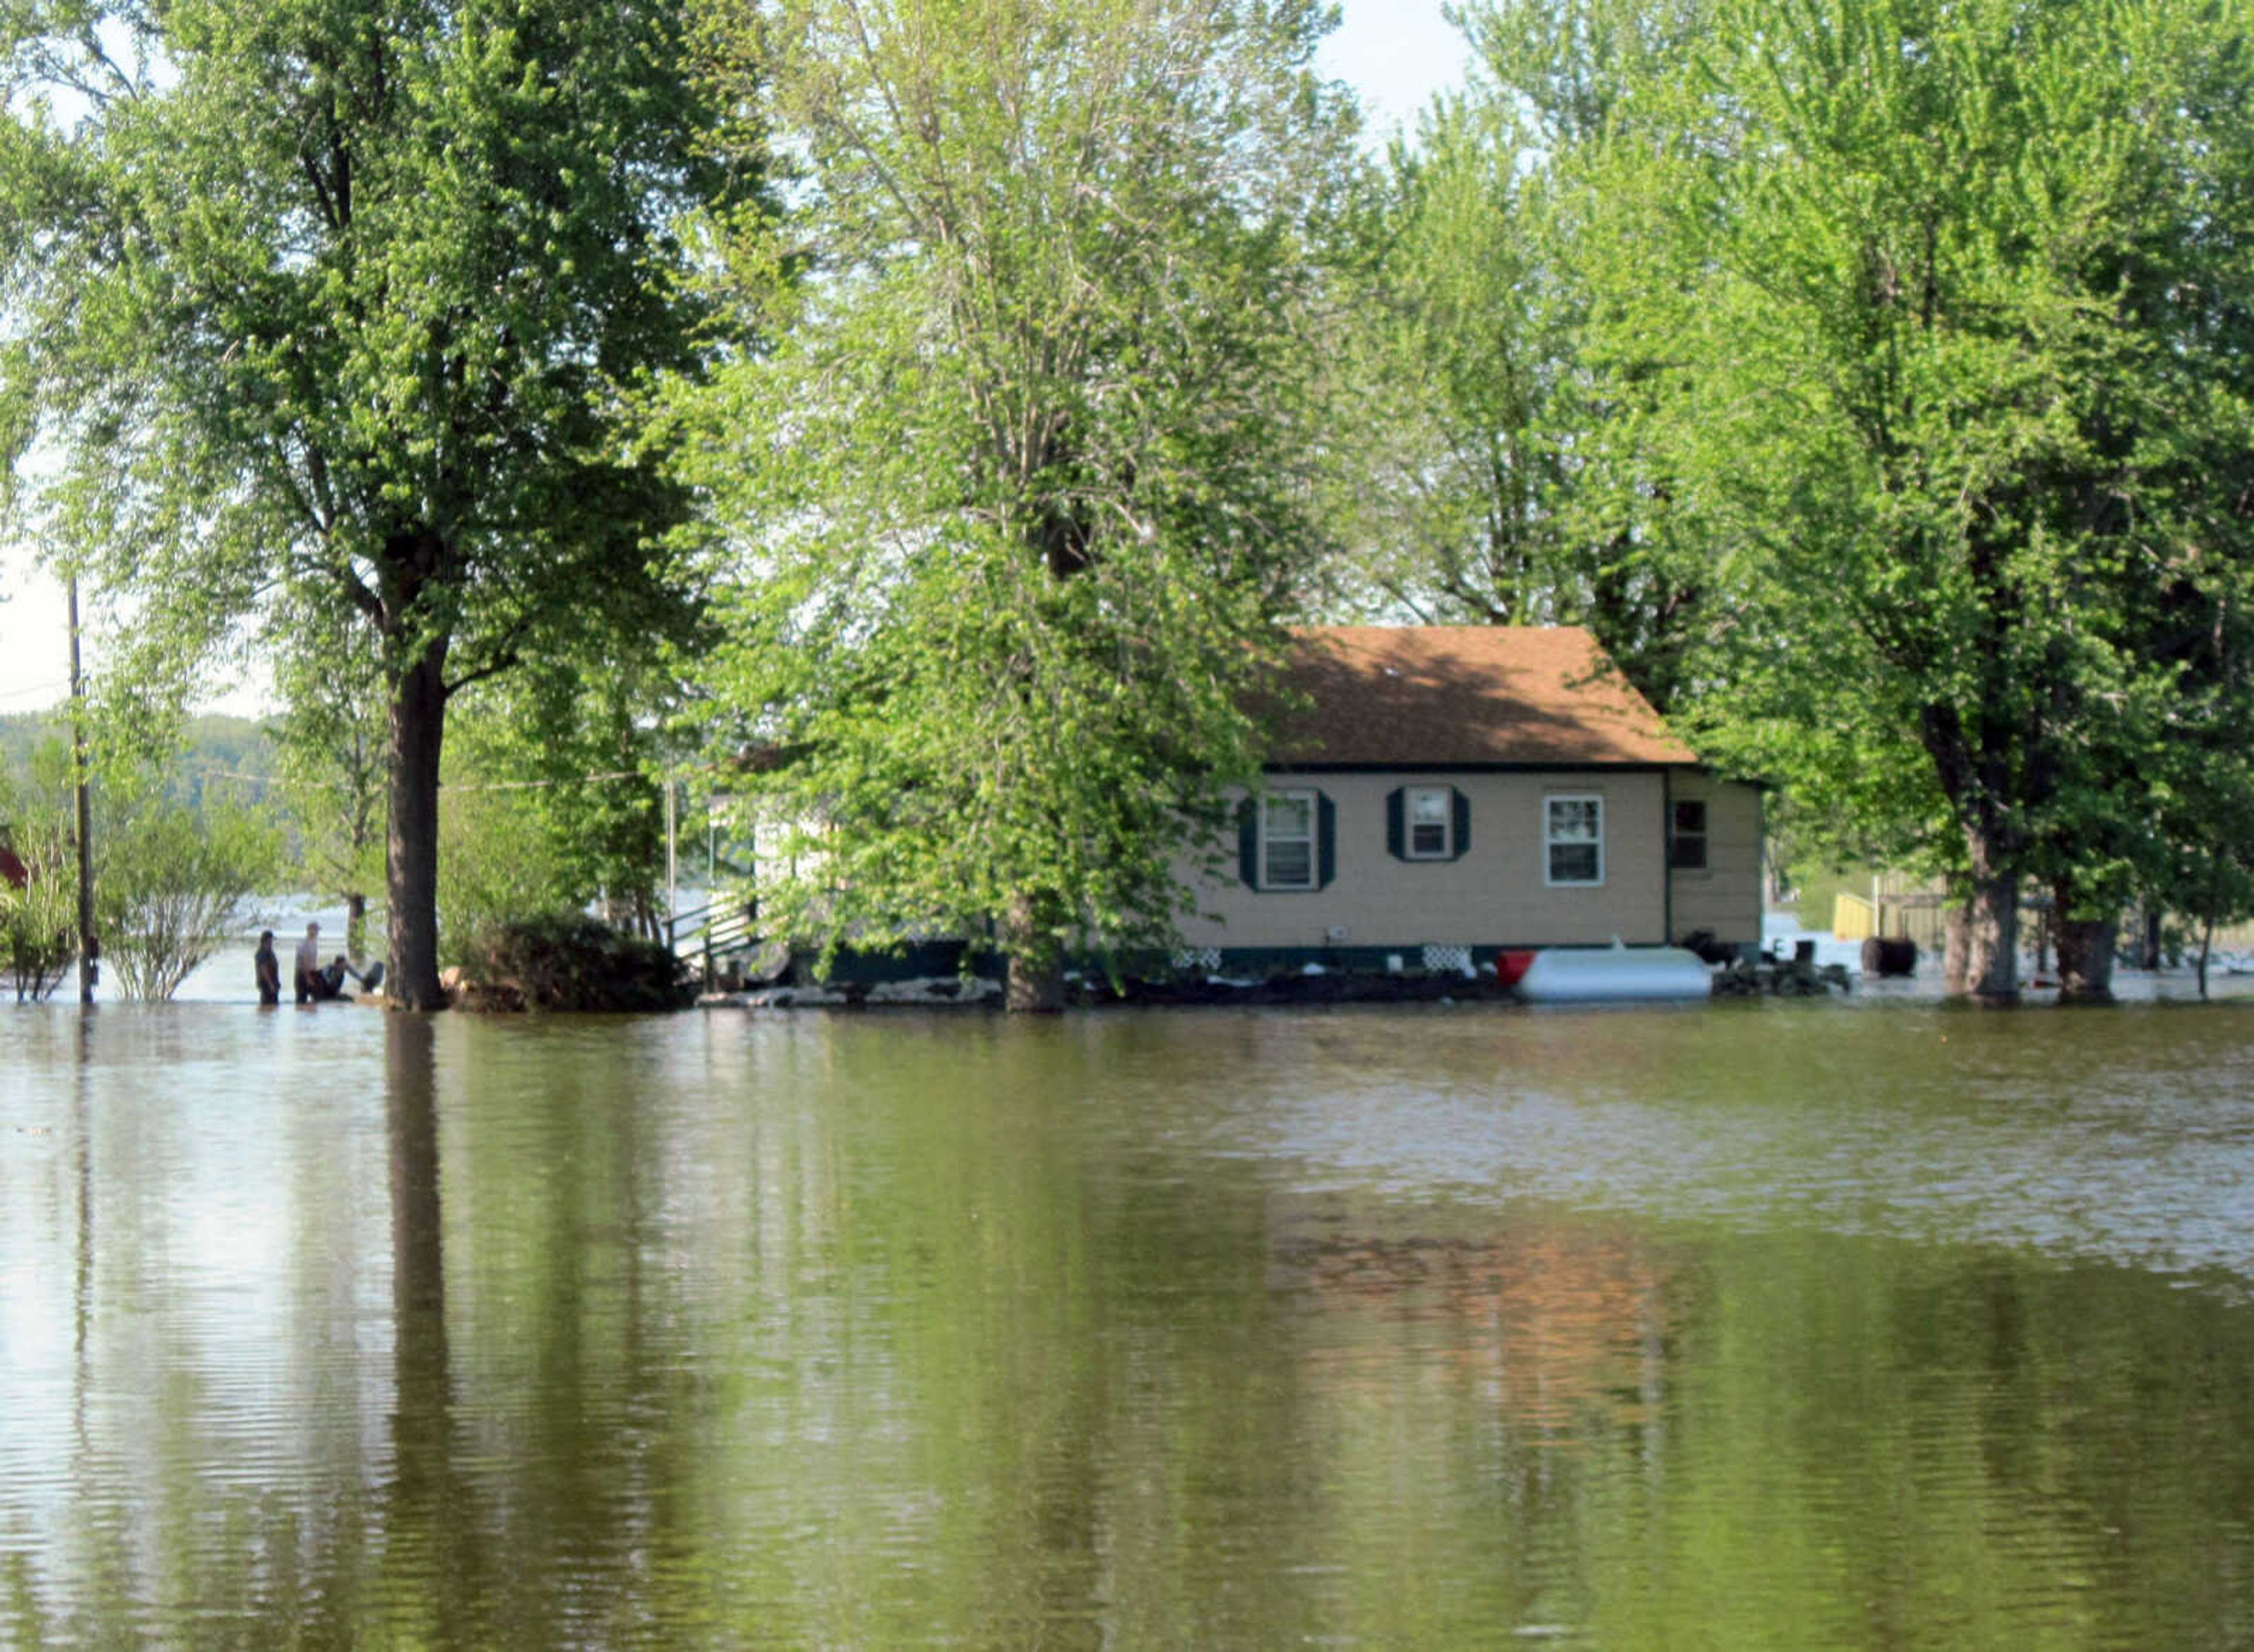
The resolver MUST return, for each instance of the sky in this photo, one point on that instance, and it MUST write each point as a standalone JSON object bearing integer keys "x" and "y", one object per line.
{"x": 1396, "y": 54}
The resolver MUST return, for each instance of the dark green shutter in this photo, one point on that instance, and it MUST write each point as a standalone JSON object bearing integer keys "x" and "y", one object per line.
{"x": 1461, "y": 808}
{"x": 1247, "y": 842}
{"x": 1326, "y": 841}
{"x": 1396, "y": 832}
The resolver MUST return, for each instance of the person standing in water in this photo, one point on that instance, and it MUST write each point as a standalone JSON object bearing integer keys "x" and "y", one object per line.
{"x": 268, "y": 968}
{"x": 309, "y": 964}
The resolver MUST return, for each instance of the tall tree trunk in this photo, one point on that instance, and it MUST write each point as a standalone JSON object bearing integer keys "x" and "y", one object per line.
{"x": 1992, "y": 928}
{"x": 418, "y": 713}
{"x": 1982, "y": 959}
{"x": 355, "y": 925}
{"x": 2085, "y": 951}
{"x": 1036, "y": 961}
{"x": 2214, "y": 911}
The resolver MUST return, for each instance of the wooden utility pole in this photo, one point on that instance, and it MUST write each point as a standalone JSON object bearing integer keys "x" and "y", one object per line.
{"x": 86, "y": 941}
{"x": 672, "y": 860}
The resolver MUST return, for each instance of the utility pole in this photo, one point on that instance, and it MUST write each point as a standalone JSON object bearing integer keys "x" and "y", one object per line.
{"x": 86, "y": 941}
{"x": 672, "y": 860}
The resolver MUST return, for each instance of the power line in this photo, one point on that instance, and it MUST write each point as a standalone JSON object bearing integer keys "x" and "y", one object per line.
{"x": 448, "y": 786}
{"x": 36, "y": 688}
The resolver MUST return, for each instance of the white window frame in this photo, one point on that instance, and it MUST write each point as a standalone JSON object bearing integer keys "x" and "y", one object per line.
{"x": 1313, "y": 839}
{"x": 1551, "y": 842}
{"x": 1447, "y": 849}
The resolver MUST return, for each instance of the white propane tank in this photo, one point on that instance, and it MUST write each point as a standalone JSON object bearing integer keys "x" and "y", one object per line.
{"x": 1615, "y": 975}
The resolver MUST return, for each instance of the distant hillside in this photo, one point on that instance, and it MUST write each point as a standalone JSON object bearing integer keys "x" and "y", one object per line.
{"x": 220, "y": 750}
{"x": 21, "y": 732}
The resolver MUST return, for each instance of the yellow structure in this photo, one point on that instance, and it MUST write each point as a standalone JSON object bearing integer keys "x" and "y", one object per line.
{"x": 1853, "y": 918}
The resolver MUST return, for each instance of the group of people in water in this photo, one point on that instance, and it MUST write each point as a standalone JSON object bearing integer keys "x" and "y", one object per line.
{"x": 316, "y": 982}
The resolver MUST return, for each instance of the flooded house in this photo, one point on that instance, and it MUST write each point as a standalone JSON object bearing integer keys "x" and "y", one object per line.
{"x": 1439, "y": 795}
{"x": 1448, "y": 791}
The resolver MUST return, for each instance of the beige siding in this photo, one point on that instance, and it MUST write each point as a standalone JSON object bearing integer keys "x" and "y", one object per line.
{"x": 1726, "y": 897}
{"x": 1494, "y": 895}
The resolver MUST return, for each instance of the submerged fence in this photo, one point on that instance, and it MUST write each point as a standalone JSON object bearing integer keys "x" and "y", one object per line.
{"x": 1922, "y": 915}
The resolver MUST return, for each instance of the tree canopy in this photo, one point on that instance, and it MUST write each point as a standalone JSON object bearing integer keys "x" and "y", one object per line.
{"x": 1021, "y": 496}
{"x": 1872, "y": 376}
{"x": 345, "y": 300}
{"x": 1950, "y": 397}
{"x": 1497, "y": 474}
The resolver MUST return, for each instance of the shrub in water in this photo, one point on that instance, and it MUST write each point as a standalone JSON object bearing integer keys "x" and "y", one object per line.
{"x": 568, "y": 961}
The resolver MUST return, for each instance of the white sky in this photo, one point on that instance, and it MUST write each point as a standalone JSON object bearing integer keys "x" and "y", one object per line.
{"x": 1396, "y": 54}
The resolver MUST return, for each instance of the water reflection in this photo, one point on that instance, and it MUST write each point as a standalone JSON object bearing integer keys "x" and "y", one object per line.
{"x": 1214, "y": 1330}
{"x": 432, "y": 1528}
{"x": 1551, "y": 1330}
{"x": 82, "y": 1255}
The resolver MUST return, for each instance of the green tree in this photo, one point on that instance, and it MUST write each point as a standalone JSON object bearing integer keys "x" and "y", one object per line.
{"x": 1956, "y": 384}
{"x": 1021, "y": 500}
{"x": 2203, "y": 790}
{"x": 500, "y": 859}
{"x": 348, "y": 298}
{"x": 331, "y": 744}
{"x": 176, "y": 885}
{"x": 39, "y": 923}
{"x": 554, "y": 803}
{"x": 1496, "y": 474}
{"x": 170, "y": 876}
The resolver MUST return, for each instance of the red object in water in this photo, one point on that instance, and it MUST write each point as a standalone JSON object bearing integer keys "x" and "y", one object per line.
{"x": 1509, "y": 966}
{"x": 12, "y": 869}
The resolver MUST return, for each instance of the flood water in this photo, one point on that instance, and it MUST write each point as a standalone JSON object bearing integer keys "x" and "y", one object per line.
{"x": 1758, "y": 1324}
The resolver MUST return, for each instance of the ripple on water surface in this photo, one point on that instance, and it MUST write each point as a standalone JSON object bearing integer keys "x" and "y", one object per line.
{"x": 1754, "y": 1325}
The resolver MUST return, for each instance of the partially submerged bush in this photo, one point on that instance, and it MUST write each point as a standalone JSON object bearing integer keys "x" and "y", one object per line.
{"x": 177, "y": 883}
{"x": 37, "y": 944}
{"x": 568, "y": 961}
{"x": 170, "y": 883}
{"x": 39, "y": 923}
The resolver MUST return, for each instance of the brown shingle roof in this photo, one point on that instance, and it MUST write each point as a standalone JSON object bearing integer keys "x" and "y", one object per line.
{"x": 1466, "y": 694}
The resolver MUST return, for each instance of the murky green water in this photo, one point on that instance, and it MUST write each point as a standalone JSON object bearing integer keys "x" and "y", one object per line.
{"x": 1759, "y": 1325}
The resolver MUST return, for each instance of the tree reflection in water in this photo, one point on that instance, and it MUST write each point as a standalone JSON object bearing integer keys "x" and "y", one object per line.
{"x": 431, "y": 1545}
{"x": 1154, "y": 1331}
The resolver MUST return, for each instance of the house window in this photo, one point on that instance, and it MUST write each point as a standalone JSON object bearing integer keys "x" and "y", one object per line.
{"x": 1687, "y": 846}
{"x": 1574, "y": 840}
{"x": 1287, "y": 840}
{"x": 1427, "y": 823}
{"x": 1429, "y": 808}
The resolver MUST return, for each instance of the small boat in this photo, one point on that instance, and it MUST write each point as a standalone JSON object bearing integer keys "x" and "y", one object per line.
{"x": 1616, "y": 974}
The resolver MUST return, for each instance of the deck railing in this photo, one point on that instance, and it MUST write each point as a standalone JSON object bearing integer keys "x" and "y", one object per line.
{"x": 714, "y": 929}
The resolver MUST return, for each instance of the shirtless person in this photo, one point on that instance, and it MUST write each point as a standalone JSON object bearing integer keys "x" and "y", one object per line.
{"x": 309, "y": 964}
